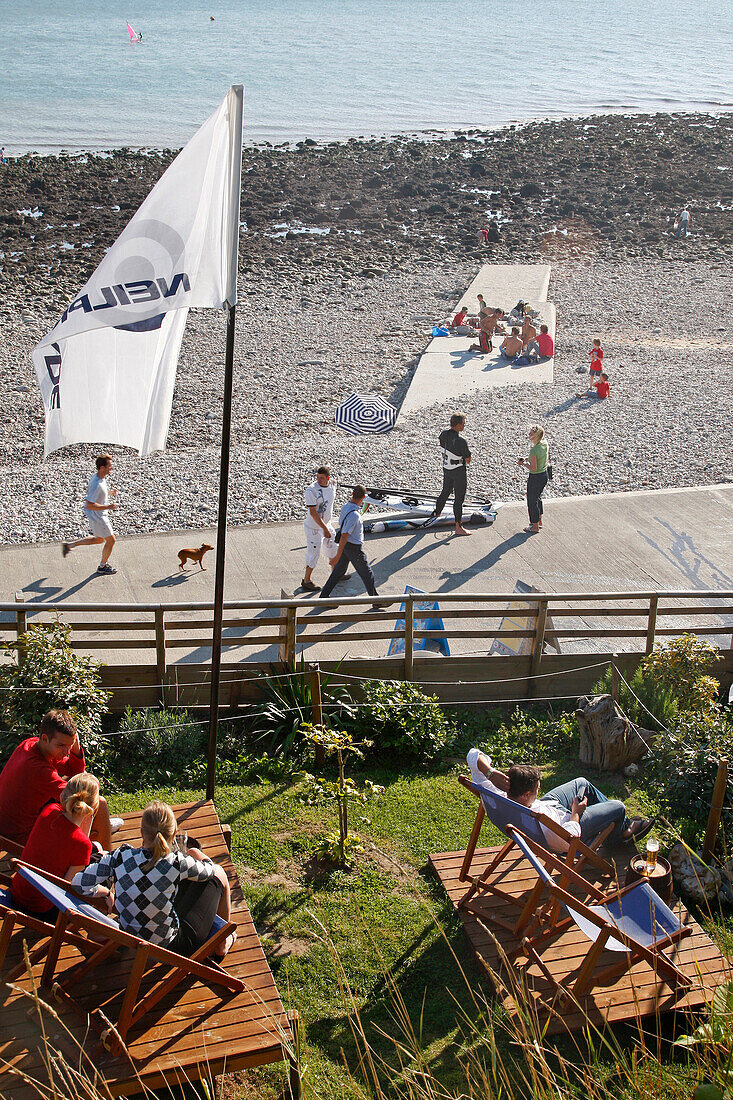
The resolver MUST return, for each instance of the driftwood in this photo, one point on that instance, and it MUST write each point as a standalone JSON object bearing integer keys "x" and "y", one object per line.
{"x": 608, "y": 740}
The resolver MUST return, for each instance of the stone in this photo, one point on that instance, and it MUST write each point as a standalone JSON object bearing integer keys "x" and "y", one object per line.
{"x": 694, "y": 879}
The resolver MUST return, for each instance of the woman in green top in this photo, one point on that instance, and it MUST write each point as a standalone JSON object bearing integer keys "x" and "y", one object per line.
{"x": 537, "y": 466}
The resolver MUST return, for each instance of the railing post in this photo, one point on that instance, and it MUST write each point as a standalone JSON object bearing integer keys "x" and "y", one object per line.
{"x": 614, "y": 678}
{"x": 317, "y": 704}
{"x": 21, "y": 625}
{"x": 160, "y": 669}
{"x": 290, "y": 635}
{"x": 293, "y": 1057}
{"x": 651, "y": 623}
{"x": 538, "y": 643}
{"x": 409, "y": 635}
{"x": 716, "y": 809}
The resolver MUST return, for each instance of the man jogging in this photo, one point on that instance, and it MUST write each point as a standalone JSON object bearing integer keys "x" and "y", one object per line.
{"x": 96, "y": 509}
{"x": 350, "y": 548}
{"x": 319, "y": 498}
{"x": 456, "y": 457}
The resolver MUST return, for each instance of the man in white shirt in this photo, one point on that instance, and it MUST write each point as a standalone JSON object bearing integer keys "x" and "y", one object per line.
{"x": 319, "y": 498}
{"x": 578, "y": 806}
{"x": 97, "y": 507}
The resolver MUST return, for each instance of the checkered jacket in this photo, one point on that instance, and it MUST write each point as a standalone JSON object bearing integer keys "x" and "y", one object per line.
{"x": 144, "y": 899}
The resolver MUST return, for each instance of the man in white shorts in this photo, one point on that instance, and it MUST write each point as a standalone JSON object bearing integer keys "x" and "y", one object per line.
{"x": 319, "y": 498}
{"x": 96, "y": 509}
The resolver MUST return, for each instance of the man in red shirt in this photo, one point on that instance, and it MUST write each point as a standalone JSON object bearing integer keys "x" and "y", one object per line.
{"x": 36, "y": 774}
{"x": 543, "y": 346}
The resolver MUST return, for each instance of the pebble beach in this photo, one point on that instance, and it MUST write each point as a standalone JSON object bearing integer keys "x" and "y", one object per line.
{"x": 348, "y": 255}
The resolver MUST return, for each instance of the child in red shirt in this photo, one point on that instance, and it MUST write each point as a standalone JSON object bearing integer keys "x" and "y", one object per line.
{"x": 59, "y": 840}
{"x": 600, "y": 388}
{"x": 596, "y": 361}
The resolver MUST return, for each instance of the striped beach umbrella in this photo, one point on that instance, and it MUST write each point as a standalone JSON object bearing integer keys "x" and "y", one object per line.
{"x": 365, "y": 414}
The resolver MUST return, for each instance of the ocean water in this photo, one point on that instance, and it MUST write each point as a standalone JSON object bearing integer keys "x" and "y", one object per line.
{"x": 70, "y": 78}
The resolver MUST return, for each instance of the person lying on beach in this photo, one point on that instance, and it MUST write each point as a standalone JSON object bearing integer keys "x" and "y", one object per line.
{"x": 600, "y": 388}
{"x": 512, "y": 345}
{"x": 162, "y": 894}
{"x": 59, "y": 842}
{"x": 543, "y": 347}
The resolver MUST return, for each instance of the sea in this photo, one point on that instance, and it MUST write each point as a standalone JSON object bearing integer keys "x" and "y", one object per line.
{"x": 70, "y": 77}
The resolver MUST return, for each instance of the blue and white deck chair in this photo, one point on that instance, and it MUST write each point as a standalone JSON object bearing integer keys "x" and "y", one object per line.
{"x": 76, "y": 916}
{"x": 503, "y": 813}
{"x": 633, "y": 921}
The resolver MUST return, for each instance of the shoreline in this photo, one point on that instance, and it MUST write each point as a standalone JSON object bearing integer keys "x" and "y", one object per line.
{"x": 377, "y": 242}
{"x": 713, "y": 110}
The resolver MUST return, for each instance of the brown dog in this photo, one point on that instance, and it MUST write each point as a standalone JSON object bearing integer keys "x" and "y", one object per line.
{"x": 194, "y": 555}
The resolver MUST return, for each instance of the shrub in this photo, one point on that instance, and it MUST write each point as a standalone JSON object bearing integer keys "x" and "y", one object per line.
{"x": 158, "y": 748}
{"x": 287, "y": 705}
{"x": 672, "y": 680}
{"x": 399, "y": 718}
{"x": 686, "y": 762}
{"x": 51, "y": 675}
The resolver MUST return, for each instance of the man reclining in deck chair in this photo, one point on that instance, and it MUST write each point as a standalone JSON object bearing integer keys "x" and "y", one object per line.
{"x": 161, "y": 894}
{"x": 578, "y": 806}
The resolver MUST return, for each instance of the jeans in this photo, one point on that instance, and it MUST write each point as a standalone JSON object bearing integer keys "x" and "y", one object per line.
{"x": 600, "y": 812}
{"x": 454, "y": 481}
{"x": 196, "y": 905}
{"x": 535, "y": 488}
{"x": 353, "y": 552}
{"x": 533, "y": 348}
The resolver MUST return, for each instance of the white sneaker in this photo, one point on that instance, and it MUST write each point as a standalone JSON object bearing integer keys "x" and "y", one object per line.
{"x": 116, "y": 823}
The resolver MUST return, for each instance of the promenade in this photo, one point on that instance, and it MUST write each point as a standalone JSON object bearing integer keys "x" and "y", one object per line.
{"x": 640, "y": 541}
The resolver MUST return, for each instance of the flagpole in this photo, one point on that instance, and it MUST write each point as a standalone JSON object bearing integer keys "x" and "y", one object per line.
{"x": 237, "y": 92}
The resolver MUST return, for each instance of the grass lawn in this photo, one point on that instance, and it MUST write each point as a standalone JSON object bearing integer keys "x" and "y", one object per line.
{"x": 386, "y": 915}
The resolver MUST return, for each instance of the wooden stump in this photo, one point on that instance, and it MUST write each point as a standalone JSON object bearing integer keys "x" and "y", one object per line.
{"x": 608, "y": 741}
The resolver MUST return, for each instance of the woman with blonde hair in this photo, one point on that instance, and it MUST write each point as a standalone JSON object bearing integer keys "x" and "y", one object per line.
{"x": 165, "y": 895}
{"x": 59, "y": 841}
{"x": 538, "y": 477}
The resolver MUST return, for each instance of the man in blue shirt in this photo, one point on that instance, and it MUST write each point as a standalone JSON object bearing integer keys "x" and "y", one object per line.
{"x": 350, "y": 546}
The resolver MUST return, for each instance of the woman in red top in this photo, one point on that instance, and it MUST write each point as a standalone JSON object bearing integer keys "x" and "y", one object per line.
{"x": 59, "y": 840}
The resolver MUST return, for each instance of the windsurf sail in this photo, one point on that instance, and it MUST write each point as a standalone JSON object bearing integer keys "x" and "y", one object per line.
{"x": 133, "y": 34}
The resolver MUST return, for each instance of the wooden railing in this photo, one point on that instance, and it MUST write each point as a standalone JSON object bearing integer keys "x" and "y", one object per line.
{"x": 283, "y": 630}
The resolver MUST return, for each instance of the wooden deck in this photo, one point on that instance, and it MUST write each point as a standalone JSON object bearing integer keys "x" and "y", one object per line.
{"x": 635, "y": 996}
{"x": 191, "y": 1033}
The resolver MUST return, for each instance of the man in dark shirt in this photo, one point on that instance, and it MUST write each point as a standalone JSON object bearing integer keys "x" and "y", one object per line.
{"x": 456, "y": 457}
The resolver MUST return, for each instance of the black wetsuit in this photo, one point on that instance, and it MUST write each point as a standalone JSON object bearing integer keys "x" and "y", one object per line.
{"x": 455, "y": 453}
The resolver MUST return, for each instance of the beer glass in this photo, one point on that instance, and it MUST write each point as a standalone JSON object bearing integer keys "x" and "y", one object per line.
{"x": 652, "y": 848}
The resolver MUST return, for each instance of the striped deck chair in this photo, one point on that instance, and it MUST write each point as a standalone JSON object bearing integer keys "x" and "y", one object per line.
{"x": 503, "y": 813}
{"x": 633, "y": 921}
{"x": 76, "y": 916}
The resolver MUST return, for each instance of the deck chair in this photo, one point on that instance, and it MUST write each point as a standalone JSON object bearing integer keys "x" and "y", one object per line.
{"x": 503, "y": 813}
{"x": 12, "y": 918}
{"x": 76, "y": 916}
{"x": 633, "y": 921}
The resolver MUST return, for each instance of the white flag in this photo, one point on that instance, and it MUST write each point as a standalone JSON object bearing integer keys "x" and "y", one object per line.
{"x": 108, "y": 367}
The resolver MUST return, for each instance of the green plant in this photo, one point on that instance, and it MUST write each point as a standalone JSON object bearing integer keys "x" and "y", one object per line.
{"x": 672, "y": 680}
{"x": 685, "y": 763}
{"x": 45, "y": 674}
{"x": 157, "y": 748}
{"x": 401, "y": 719}
{"x": 343, "y": 790}
{"x": 287, "y": 704}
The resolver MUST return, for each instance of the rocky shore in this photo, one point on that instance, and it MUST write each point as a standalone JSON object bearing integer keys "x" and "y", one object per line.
{"x": 349, "y": 253}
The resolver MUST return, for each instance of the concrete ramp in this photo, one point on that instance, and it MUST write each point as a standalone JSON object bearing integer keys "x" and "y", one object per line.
{"x": 447, "y": 370}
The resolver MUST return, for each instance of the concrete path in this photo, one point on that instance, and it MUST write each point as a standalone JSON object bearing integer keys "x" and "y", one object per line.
{"x": 664, "y": 539}
{"x": 447, "y": 370}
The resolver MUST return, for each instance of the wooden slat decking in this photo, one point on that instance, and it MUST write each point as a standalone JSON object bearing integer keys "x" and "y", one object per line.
{"x": 634, "y": 996}
{"x": 191, "y": 1033}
